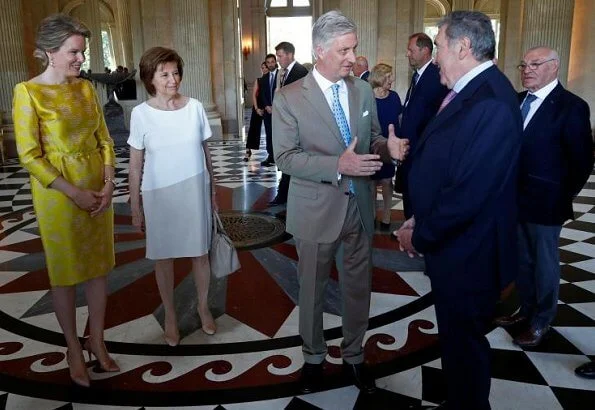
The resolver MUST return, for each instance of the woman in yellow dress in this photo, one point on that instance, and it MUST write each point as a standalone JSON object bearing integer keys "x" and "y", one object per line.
{"x": 64, "y": 143}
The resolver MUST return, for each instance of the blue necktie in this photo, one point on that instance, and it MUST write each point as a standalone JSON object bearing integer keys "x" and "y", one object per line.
{"x": 526, "y": 107}
{"x": 341, "y": 122}
{"x": 411, "y": 87}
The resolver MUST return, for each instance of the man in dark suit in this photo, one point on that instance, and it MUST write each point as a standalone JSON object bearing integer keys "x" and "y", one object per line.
{"x": 290, "y": 71}
{"x": 421, "y": 102}
{"x": 556, "y": 161}
{"x": 327, "y": 137}
{"x": 463, "y": 188}
{"x": 360, "y": 68}
{"x": 267, "y": 84}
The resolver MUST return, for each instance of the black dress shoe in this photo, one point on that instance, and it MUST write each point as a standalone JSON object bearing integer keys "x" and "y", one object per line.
{"x": 311, "y": 378}
{"x": 268, "y": 162}
{"x": 358, "y": 375}
{"x": 532, "y": 337}
{"x": 586, "y": 370}
{"x": 277, "y": 201}
{"x": 513, "y": 319}
{"x": 384, "y": 226}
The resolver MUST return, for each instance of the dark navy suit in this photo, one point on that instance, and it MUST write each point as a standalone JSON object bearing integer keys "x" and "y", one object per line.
{"x": 265, "y": 98}
{"x": 556, "y": 161}
{"x": 423, "y": 104}
{"x": 463, "y": 183}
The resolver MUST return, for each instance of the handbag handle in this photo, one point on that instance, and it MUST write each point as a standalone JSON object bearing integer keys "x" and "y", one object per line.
{"x": 217, "y": 224}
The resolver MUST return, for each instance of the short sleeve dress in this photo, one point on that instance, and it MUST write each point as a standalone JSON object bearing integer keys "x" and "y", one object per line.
{"x": 60, "y": 131}
{"x": 389, "y": 109}
{"x": 175, "y": 187}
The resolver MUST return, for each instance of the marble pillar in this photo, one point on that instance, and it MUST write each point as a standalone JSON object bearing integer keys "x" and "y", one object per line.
{"x": 549, "y": 23}
{"x": 365, "y": 15}
{"x": 125, "y": 33}
{"x": 93, "y": 21}
{"x": 462, "y": 5}
{"x": 12, "y": 58}
{"x": 192, "y": 39}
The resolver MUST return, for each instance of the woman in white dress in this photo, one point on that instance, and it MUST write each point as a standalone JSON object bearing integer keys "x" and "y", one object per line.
{"x": 168, "y": 133}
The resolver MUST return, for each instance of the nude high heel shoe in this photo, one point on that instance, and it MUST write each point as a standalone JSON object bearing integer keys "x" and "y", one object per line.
{"x": 207, "y": 322}
{"x": 80, "y": 379}
{"x": 107, "y": 364}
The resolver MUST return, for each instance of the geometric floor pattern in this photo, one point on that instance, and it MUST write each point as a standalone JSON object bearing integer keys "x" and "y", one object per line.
{"x": 254, "y": 359}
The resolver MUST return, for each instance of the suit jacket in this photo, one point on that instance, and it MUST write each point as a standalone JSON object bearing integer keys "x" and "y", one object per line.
{"x": 423, "y": 104}
{"x": 462, "y": 186}
{"x": 365, "y": 75}
{"x": 556, "y": 158}
{"x": 265, "y": 97}
{"x": 297, "y": 71}
{"x": 307, "y": 146}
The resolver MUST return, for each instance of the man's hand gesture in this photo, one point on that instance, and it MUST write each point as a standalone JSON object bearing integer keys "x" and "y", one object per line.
{"x": 397, "y": 147}
{"x": 353, "y": 164}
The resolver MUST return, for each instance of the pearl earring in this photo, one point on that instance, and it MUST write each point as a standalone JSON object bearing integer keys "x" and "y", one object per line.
{"x": 52, "y": 61}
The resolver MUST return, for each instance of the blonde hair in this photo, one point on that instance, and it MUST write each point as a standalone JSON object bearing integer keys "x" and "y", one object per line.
{"x": 379, "y": 74}
{"x": 53, "y": 31}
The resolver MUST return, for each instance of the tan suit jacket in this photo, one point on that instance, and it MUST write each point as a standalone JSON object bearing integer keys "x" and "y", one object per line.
{"x": 307, "y": 145}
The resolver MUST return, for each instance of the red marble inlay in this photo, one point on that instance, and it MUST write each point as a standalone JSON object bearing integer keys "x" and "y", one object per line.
{"x": 29, "y": 282}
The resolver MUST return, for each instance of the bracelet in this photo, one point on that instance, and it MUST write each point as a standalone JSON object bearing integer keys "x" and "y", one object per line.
{"x": 109, "y": 179}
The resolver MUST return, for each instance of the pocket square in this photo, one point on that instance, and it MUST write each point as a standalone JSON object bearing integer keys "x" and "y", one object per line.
{"x": 365, "y": 114}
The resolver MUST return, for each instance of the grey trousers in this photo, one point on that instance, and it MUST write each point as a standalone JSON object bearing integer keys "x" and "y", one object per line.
{"x": 355, "y": 280}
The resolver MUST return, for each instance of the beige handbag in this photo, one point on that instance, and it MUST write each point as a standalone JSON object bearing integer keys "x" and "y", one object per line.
{"x": 223, "y": 255}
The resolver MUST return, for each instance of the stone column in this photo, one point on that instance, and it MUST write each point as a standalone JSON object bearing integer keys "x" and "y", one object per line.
{"x": 549, "y": 23}
{"x": 93, "y": 22}
{"x": 365, "y": 14}
{"x": 191, "y": 36}
{"x": 463, "y": 4}
{"x": 124, "y": 28}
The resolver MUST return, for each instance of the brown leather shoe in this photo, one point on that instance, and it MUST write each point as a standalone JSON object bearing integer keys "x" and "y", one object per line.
{"x": 531, "y": 337}
{"x": 513, "y": 319}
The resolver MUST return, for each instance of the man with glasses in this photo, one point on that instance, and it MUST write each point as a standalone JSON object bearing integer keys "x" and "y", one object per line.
{"x": 556, "y": 161}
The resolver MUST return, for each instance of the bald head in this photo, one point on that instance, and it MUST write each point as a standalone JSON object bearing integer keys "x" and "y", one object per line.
{"x": 540, "y": 67}
{"x": 360, "y": 66}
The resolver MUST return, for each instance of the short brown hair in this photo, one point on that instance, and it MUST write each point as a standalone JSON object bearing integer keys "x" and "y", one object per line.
{"x": 379, "y": 74}
{"x": 152, "y": 59}
{"x": 422, "y": 40}
{"x": 53, "y": 31}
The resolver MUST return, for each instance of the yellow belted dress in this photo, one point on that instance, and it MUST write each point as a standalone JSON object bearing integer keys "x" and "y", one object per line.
{"x": 60, "y": 131}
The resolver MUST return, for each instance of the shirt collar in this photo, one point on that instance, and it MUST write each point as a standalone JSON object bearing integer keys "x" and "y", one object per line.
{"x": 421, "y": 70}
{"x": 545, "y": 90}
{"x": 325, "y": 84}
{"x": 466, "y": 79}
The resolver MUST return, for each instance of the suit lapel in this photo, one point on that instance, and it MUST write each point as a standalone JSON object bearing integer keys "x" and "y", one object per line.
{"x": 545, "y": 111}
{"x": 316, "y": 98}
{"x": 354, "y": 111}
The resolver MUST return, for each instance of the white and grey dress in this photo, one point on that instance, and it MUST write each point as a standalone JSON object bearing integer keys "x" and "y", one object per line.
{"x": 175, "y": 183}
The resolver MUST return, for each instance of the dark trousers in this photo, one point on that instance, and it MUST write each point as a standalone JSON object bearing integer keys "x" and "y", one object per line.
{"x": 268, "y": 129}
{"x": 538, "y": 281}
{"x": 253, "y": 139}
{"x": 463, "y": 319}
{"x": 283, "y": 187}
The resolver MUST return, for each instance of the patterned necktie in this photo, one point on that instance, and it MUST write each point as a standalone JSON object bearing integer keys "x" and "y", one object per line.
{"x": 526, "y": 107}
{"x": 284, "y": 77}
{"x": 411, "y": 87}
{"x": 449, "y": 97}
{"x": 272, "y": 84}
{"x": 341, "y": 122}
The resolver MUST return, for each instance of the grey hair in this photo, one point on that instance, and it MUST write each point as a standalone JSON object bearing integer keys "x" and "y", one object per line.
{"x": 474, "y": 25}
{"x": 53, "y": 31}
{"x": 552, "y": 53}
{"x": 329, "y": 26}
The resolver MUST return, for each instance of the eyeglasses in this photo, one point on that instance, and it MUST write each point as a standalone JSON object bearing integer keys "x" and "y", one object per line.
{"x": 533, "y": 66}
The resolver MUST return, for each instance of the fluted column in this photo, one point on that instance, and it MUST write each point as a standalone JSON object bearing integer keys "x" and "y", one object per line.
{"x": 549, "y": 23}
{"x": 462, "y": 4}
{"x": 93, "y": 22}
{"x": 192, "y": 40}
{"x": 365, "y": 15}
{"x": 12, "y": 59}
{"x": 124, "y": 28}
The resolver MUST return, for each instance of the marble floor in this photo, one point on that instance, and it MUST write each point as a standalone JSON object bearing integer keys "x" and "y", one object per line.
{"x": 253, "y": 361}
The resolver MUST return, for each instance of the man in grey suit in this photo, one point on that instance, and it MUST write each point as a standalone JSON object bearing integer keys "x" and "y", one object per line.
{"x": 327, "y": 137}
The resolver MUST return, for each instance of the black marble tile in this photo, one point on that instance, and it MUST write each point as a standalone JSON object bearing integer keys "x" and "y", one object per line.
{"x": 516, "y": 366}
{"x": 553, "y": 342}
{"x": 298, "y": 404}
{"x": 581, "y": 226}
{"x": 571, "y": 257}
{"x": 386, "y": 400}
{"x": 572, "y": 399}
{"x": 573, "y": 274}
{"x": 584, "y": 200}
{"x": 570, "y": 293}
{"x": 564, "y": 242}
{"x": 433, "y": 384}
{"x": 568, "y": 316}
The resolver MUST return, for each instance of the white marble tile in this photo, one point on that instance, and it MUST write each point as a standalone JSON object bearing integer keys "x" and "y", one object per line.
{"x": 291, "y": 325}
{"x": 582, "y": 248}
{"x": 418, "y": 281}
{"x": 509, "y": 395}
{"x": 582, "y": 207}
{"x": 229, "y": 330}
{"x": 501, "y": 339}
{"x": 16, "y": 304}
{"x": 16, "y": 402}
{"x": 588, "y": 265}
{"x": 6, "y": 256}
{"x": 9, "y": 276}
{"x": 587, "y": 285}
{"x": 408, "y": 382}
{"x": 587, "y": 309}
{"x": 275, "y": 404}
{"x": 575, "y": 235}
{"x": 50, "y": 322}
{"x": 581, "y": 337}
{"x": 558, "y": 369}
{"x": 590, "y": 193}
{"x": 84, "y": 406}
{"x": 144, "y": 329}
{"x": 16, "y": 237}
{"x": 384, "y": 302}
{"x": 338, "y": 399}
{"x": 587, "y": 218}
